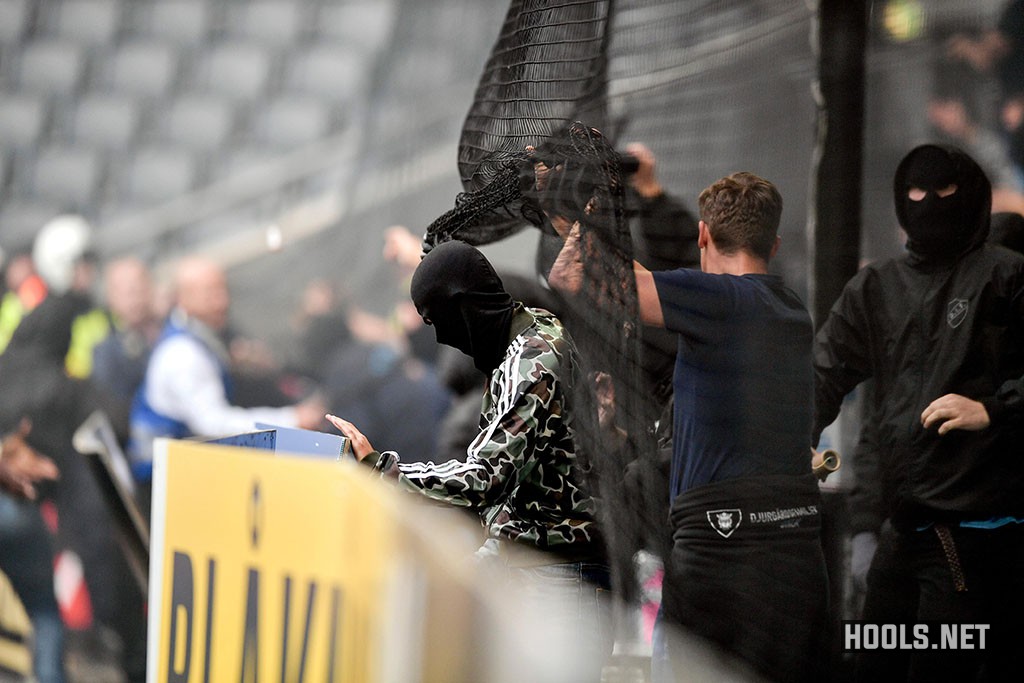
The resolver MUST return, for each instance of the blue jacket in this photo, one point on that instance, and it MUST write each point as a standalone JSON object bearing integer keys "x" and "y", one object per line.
{"x": 147, "y": 423}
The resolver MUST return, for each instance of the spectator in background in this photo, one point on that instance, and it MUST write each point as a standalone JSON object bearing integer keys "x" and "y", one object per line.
{"x": 119, "y": 361}
{"x": 953, "y": 111}
{"x": 24, "y": 289}
{"x": 320, "y": 327}
{"x": 26, "y": 553}
{"x": 1000, "y": 51}
{"x": 54, "y": 396}
{"x": 664, "y": 234}
{"x": 373, "y": 378}
{"x": 38, "y": 388}
{"x": 403, "y": 249}
{"x": 64, "y": 257}
{"x": 21, "y": 466}
{"x": 187, "y": 388}
{"x": 61, "y": 261}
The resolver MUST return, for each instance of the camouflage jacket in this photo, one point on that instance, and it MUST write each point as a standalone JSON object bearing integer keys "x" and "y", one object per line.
{"x": 521, "y": 472}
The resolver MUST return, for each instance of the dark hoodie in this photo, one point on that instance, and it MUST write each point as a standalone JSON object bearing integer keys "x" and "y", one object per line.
{"x": 35, "y": 384}
{"x": 947, "y": 317}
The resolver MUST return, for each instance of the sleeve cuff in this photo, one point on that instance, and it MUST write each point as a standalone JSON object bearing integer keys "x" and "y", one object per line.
{"x": 380, "y": 461}
{"x": 995, "y": 409}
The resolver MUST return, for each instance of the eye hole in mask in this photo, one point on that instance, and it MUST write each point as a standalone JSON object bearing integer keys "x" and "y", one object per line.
{"x": 916, "y": 194}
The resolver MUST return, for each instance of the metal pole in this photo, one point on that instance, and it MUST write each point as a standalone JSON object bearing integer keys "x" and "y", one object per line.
{"x": 836, "y": 183}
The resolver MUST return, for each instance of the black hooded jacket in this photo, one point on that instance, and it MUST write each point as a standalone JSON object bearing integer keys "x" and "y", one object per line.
{"x": 944, "y": 318}
{"x": 36, "y": 386}
{"x": 32, "y": 374}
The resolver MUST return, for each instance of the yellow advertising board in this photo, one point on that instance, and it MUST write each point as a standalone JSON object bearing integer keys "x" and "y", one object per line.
{"x": 266, "y": 568}
{"x": 281, "y": 568}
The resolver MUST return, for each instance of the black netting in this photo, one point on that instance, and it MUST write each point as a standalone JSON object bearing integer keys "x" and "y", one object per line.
{"x": 711, "y": 87}
{"x": 547, "y": 68}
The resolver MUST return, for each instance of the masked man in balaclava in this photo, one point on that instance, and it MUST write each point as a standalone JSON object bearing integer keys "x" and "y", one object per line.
{"x": 521, "y": 472}
{"x": 941, "y": 332}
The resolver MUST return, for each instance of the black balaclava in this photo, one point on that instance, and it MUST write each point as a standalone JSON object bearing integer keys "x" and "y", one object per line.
{"x": 457, "y": 290}
{"x": 942, "y": 228}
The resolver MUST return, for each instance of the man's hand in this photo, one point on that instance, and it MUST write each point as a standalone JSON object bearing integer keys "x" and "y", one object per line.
{"x": 567, "y": 271}
{"x": 954, "y": 411}
{"x": 402, "y": 247}
{"x": 644, "y": 180}
{"x": 21, "y": 466}
{"x": 541, "y": 176}
{"x": 360, "y": 444}
{"x": 540, "y": 170}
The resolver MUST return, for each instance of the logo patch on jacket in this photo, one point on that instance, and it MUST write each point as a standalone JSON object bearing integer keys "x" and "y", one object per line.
{"x": 724, "y": 521}
{"x": 957, "y": 312}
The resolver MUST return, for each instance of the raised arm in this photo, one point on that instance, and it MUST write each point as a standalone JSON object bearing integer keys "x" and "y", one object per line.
{"x": 647, "y": 297}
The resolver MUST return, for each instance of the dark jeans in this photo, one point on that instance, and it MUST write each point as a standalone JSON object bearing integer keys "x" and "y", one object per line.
{"x": 912, "y": 580}
{"x": 26, "y": 556}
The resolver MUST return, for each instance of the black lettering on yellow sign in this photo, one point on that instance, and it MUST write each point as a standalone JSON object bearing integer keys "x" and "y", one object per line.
{"x": 296, "y": 676}
{"x": 251, "y": 640}
{"x": 179, "y": 663}
{"x": 294, "y": 655}
{"x": 181, "y": 601}
{"x": 212, "y": 581}
{"x": 332, "y": 660}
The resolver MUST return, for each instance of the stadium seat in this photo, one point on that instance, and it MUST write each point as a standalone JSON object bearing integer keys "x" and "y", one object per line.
{"x": 417, "y": 70}
{"x": 88, "y": 22}
{"x": 14, "y": 16}
{"x": 272, "y": 22}
{"x": 242, "y": 159}
{"x": 180, "y": 22}
{"x": 327, "y": 71}
{"x": 51, "y": 66}
{"x": 365, "y": 24}
{"x": 291, "y": 122}
{"x": 238, "y": 70}
{"x": 154, "y": 174}
{"x": 198, "y": 121}
{"x": 20, "y": 220}
{"x": 105, "y": 121}
{"x": 66, "y": 175}
{"x": 22, "y": 119}
{"x": 142, "y": 68}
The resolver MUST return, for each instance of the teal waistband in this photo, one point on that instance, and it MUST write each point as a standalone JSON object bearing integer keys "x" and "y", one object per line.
{"x": 991, "y": 523}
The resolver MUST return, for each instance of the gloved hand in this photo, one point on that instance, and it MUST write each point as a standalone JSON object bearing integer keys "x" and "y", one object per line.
{"x": 862, "y": 551}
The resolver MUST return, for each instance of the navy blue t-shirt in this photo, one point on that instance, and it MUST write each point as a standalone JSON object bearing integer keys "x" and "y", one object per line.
{"x": 744, "y": 383}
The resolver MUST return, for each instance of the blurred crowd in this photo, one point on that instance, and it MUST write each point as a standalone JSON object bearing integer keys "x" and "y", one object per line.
{"x": 977, "y": 101}
{"x": 79, "y": 335}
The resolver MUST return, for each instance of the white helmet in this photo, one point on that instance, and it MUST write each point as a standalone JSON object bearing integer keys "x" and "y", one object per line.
{"x": 58, "y": 247}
